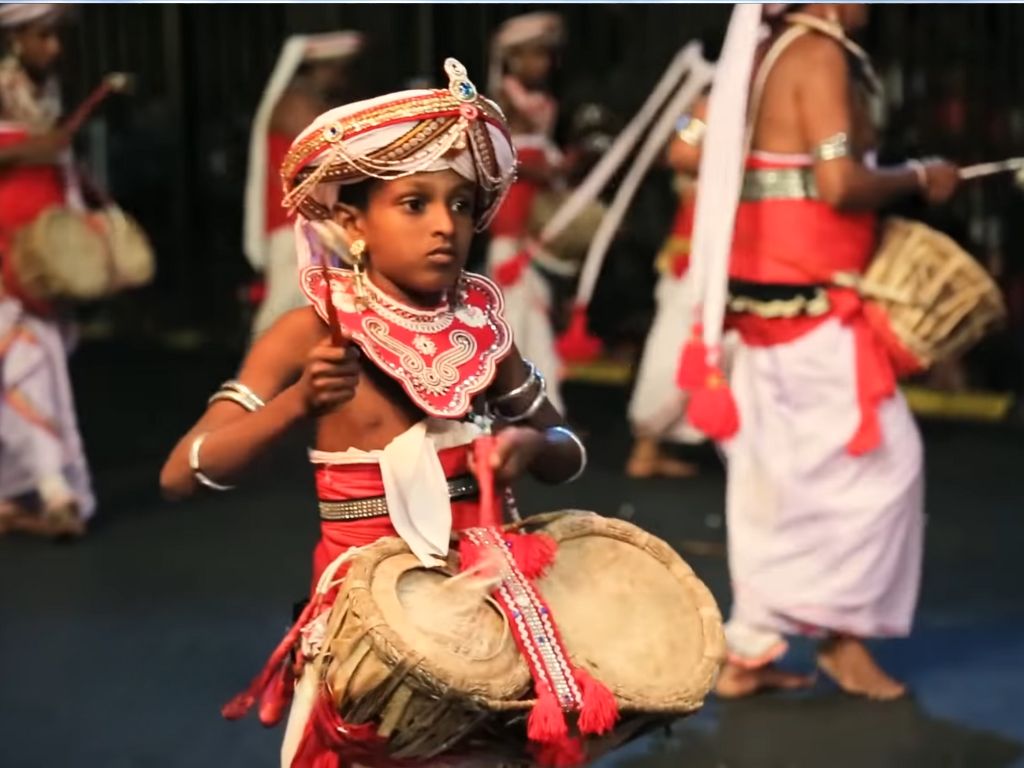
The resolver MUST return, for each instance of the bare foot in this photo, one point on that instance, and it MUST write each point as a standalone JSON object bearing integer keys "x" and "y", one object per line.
{"x": 735, "y": 681}
{"x": 849, "y": 663}
{"x": 675, "y": 468}
{"x": 57, "y": 522}
{"x": 64, "y": 521}
{"x": 10, "y": 511}
{"x": 647, "y": 461}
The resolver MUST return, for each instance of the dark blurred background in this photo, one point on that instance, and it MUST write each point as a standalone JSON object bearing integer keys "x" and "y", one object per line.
{"x": 174, "y": 154}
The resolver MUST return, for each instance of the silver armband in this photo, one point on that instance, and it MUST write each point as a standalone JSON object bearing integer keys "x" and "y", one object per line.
{"x": 690, "y": 130}
{"x": 236, "y": 392}
{"x": 193, "y": 463}
{"x": 534, "y": 380}
{"x": 833, "y": 148}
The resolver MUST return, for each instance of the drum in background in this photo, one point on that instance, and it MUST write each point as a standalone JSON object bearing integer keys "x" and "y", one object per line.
{"x": 930, "y": 300}
{"x": 77, "y": 256}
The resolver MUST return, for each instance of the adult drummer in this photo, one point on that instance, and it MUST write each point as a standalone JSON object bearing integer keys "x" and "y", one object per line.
{"x": 824, "y": 489}
{"x": 44, "y": 479}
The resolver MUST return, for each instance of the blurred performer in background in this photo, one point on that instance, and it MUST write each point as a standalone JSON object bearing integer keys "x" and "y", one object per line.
{"x": 522, "y": 67}
{"x": 824, "y": 486}
{"x": 44, "y": 480}
{"x": 312, "y": 74}
{"x": 657, "y": 404}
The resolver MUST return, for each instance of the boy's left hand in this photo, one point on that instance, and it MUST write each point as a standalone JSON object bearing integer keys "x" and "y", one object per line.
{"x": 514, "y": 451}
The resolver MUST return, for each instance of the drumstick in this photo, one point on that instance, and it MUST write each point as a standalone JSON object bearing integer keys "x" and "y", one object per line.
{"x": 484, "y": 447}
{"x": 988, "y": 169}
{"x": 117, "y": 82}
{"x": 337, "y": 337}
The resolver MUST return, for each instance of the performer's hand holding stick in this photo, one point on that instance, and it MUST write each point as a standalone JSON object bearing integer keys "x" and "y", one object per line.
{"x": 117, "y": 82}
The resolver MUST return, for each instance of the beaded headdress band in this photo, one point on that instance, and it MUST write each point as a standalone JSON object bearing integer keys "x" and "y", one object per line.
{"x": 442, "y": 122}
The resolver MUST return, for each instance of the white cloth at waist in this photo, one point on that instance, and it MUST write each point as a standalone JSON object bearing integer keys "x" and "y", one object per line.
{"x": 415, "y": 485}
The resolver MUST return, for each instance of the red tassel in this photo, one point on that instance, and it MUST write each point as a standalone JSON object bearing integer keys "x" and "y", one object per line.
{"x": 277, "y": 696}
{"x": 561, "y": 754}
{"x": 577, "y": 345}
{"x": 547, "y": 720}
{"x": 533, "y": 552}
{"x": 712, "y": 408}
{"x": 238, "y": 706}
{"x": 327, "y": 736}
{"x": 693, "y": 365}
{"x": 510, "y": 271}
{"x": 600, "y": 711}
{"x": 243, "y": 702}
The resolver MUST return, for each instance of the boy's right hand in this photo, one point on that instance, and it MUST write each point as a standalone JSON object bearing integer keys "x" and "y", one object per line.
{"x": 330, "y": 377}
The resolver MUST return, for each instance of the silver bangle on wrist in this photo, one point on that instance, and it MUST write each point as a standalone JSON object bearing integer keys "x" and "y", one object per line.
{"x": 579, "y": 444}
{"x": 921, "y": 172}
{"x": 193, "y": 463}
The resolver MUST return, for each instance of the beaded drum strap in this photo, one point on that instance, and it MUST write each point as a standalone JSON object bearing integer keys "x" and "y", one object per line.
{"x": 535, "y": 633}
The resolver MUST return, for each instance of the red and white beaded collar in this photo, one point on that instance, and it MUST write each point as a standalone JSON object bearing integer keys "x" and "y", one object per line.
{"x": 442, "y": 357}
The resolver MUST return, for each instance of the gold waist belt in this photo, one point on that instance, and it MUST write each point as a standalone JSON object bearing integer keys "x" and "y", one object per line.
{"x": 778, "y": 184}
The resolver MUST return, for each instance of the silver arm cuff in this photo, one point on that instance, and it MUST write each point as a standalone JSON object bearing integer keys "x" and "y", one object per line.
{"x": 531, "y": 377}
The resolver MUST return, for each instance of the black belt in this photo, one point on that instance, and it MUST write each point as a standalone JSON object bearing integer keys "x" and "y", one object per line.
{"x": 459, "y": 488}
{"x": 778, "y": 300}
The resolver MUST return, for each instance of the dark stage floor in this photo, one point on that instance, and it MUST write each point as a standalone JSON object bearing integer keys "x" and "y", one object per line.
{"x": 117, "y": 651}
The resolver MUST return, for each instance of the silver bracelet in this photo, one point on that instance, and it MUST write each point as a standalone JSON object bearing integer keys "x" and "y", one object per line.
{"x": 690, "y": 130}
{"x": 193, "y": 463}
{"x": 531, "y": 378}
{"x": 579, "y": 444}
{"x": 921, "y": 172}
{"x": 539, "y": 399}
{"x": 238, "y": 393}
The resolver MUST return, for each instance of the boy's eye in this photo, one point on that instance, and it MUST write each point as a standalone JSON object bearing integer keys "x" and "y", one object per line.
{"x": 462, "y": 205}
{"x": 413, "y": 204}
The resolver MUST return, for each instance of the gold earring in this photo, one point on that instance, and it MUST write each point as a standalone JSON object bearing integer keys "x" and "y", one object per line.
{"x": 357, "y": 250}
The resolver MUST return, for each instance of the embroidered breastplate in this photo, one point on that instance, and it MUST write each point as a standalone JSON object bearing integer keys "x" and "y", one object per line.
{"x": 442, "y": 357}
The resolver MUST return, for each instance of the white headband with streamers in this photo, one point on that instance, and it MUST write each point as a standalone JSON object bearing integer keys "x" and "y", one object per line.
{"x": 688, "y": 63}
{"x": 698, "y": 77}
{"x": 721, "y": 170}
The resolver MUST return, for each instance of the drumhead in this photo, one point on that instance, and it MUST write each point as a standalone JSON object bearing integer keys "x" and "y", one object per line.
{"x": 59, "y": 256}
{"x": 633, "y": 614}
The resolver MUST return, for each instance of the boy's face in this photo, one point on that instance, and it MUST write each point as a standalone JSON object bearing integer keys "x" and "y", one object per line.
{"x": 417, "y": 231}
